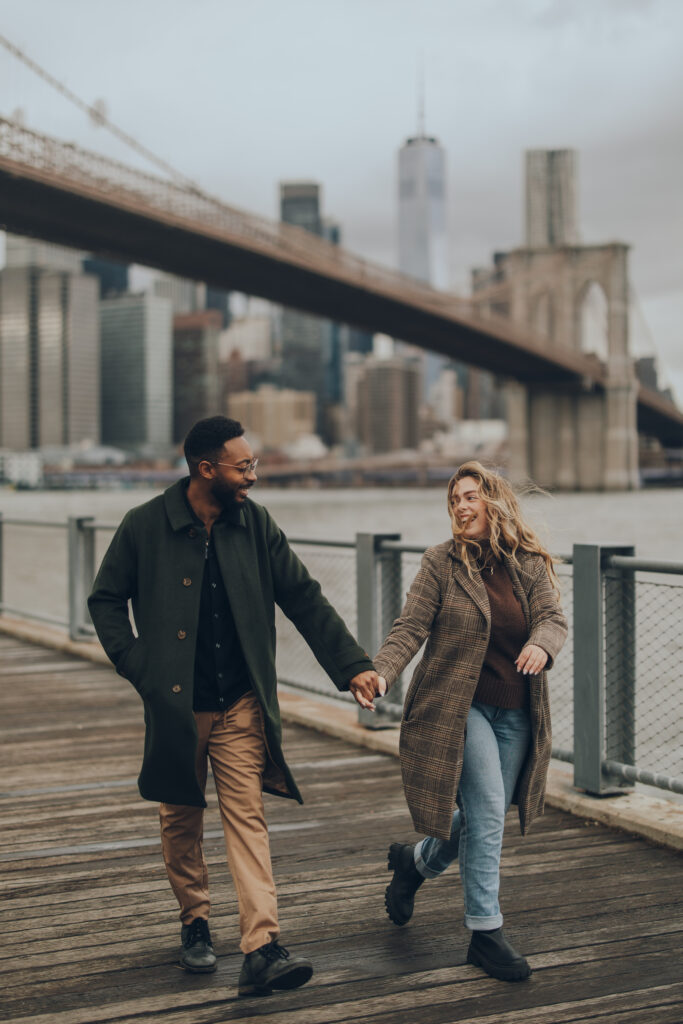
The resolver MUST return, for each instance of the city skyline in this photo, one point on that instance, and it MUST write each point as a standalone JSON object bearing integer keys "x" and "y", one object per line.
{"x": 499, "y": 79}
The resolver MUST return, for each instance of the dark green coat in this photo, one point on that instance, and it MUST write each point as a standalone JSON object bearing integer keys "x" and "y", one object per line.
{"x": 156, "y": 559}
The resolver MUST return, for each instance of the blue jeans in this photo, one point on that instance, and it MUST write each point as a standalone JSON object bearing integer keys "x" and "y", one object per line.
{"x": 496, "y": 745}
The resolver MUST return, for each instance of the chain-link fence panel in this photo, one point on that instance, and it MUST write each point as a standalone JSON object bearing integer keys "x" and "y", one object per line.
{"x": 335, "y": 570}
{"x": 643, "y": 673}
{"x": 35, "y": 570}
{"x": 561, "y": 676}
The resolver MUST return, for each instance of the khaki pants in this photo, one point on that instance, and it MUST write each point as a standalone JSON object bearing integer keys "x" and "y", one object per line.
{"x": 234, "y": 742}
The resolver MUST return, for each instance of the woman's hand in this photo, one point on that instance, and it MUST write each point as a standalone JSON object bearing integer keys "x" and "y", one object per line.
{"x": 532, "y": 660}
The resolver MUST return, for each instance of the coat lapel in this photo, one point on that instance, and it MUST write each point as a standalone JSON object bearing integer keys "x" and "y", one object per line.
{"x": 473, "y": 587}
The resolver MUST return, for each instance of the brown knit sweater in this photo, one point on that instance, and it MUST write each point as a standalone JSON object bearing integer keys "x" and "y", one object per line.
{"x": 500, "y": 684}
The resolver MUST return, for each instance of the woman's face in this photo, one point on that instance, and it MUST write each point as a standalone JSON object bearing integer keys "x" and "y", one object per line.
{"x": 470, "y": 509}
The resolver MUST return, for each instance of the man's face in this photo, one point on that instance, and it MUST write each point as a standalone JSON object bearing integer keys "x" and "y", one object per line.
{"x": 230, "y": 485}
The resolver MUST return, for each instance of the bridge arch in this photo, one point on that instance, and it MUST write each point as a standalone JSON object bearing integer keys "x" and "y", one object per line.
{"x": 592, "y": 316}
{"x": 600, "y": 306}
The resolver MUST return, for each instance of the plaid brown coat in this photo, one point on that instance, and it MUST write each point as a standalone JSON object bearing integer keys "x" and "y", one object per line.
{"x": 451, "y": 612}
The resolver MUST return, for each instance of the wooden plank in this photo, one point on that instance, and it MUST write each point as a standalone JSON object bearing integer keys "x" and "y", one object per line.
{"x": 94, "y": 929}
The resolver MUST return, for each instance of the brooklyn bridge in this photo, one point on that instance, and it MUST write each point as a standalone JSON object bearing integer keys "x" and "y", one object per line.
{"x": 574, "y": 419}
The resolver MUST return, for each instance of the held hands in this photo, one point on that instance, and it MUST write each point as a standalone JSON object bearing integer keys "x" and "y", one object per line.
{"x": 532, "y": 660}
{"x": 366, "y": 686}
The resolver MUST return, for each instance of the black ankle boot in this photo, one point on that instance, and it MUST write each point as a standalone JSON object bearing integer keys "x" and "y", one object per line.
{"x": 272, "y": 966}
{"x": 399, "y": 898}
{"x": 493, "y": 953}
{"x": 197, "y": 955}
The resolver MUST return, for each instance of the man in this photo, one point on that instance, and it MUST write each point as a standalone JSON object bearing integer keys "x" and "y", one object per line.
{"x": 204, "y": 567}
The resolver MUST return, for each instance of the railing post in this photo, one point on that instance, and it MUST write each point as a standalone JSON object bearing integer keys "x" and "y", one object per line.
{"x": 589, "y": 667}
{"x": 81, "y": 554}
{"x": 589, "y": 680}
{"x": 620, "y": 664}
{"x": 368, "y": 607}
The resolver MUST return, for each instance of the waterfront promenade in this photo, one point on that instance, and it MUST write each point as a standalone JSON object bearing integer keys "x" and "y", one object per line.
{"x": 89, "y": 922}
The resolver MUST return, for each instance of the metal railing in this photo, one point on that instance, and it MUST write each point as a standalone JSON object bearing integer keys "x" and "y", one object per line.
{"x": 616, "y": 693}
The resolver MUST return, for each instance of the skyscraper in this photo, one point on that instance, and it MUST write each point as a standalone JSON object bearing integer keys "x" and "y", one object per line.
{"x": 387, "y": 403}
{"x": 300, "y": 205}
{"x": 49, "y": 356}
{"x": 422, "y": 225}
{"x": 137, "y": 372}
{"x": 30, "y": 252}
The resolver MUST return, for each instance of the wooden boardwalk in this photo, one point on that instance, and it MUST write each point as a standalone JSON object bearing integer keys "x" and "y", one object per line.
{"x": 89, "y": 926}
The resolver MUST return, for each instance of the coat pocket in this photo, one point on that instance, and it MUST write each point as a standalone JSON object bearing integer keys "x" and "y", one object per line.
{"x": 133, "y": 664}
{"x": 411, "y": 692}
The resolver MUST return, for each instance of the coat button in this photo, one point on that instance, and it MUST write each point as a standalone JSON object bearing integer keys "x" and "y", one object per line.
{"x": 177, "y": 688}
{"x": 181, "y": 634}
{"x": 192, "y": 532}
{"x": 187, "y": 582}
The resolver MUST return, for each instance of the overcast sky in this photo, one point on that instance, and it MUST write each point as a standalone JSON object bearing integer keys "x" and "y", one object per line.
{"x": 240, "y": 94}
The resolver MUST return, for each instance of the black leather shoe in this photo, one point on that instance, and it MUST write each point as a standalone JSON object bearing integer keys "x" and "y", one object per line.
{"x": 399, "y": 898}
{"x": 272, "y": 966}
{"x": 493, "y": 953}
{"x": 197, "y": 955}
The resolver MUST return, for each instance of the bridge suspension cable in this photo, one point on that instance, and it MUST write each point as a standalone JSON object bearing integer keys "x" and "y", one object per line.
{"x": 643, "y": 338}
{"x": 99, "y": 117}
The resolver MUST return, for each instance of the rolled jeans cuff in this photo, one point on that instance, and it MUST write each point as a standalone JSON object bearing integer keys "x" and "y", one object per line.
{"x": 483, "y": 924}
{"x": 420, "y": 864}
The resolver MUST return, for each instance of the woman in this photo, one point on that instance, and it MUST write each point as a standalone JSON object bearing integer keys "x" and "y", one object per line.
{"x": 476, "y": 723}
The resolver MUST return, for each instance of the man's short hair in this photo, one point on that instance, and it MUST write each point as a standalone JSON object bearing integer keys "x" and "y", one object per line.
{"x": 206, "y": 439}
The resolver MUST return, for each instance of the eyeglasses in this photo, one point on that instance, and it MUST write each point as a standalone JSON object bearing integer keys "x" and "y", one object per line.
{"x": 244, "y": 469}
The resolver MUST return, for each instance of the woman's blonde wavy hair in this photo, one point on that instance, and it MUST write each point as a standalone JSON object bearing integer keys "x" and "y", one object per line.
{"x": 508, "y": 533}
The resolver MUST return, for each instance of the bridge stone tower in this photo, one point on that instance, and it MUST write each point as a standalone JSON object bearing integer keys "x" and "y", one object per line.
{"x": 566, "y": 440}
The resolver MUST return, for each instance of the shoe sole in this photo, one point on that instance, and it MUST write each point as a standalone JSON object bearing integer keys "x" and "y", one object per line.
{"x": 500, "y": 973}
{"x": 295, "y": 978}
{"x": 198, "y": 970}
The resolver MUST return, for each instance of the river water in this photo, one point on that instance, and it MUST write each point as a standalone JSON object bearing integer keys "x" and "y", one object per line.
{"x": 652, "y": 520}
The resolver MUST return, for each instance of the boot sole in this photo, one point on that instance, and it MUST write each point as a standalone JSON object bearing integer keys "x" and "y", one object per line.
{"x": 254, "y": 990}
{"x": 298, "y": 976}
{"x": 392, "y": 865}
{"x": 295, "y": 978}
{"x": 495, "y": 971}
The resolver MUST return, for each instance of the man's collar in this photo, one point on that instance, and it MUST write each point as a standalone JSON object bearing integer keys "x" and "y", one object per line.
{"x": 181, "y": 514}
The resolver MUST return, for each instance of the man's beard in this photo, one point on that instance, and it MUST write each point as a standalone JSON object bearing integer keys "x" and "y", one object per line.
{"x": 225, "y": 495}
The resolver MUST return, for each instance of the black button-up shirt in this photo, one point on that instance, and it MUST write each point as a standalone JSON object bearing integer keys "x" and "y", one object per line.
{"x": 221, "y": 675}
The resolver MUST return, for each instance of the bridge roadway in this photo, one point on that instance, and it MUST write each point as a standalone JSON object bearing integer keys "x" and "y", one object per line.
{"x": 89, "y": 924}
{"x": 56, "y": 191}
